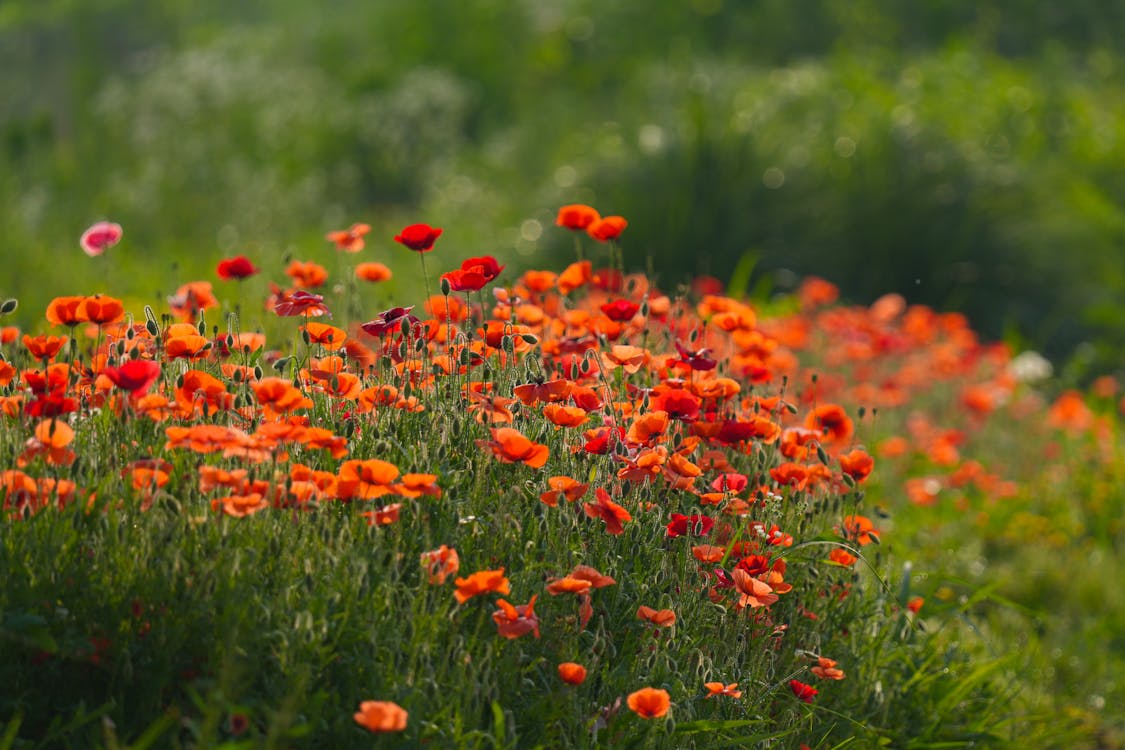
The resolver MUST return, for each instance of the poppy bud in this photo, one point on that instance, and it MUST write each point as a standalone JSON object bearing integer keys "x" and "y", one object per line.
{"x": 445, "y": 286}
{"x": 9, "y": 306}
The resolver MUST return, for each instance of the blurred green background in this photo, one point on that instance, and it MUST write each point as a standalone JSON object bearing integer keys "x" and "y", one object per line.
{"x": 968, "y": 155}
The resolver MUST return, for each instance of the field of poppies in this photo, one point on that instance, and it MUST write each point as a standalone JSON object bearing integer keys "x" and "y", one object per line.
{"x": 556, "y": 508}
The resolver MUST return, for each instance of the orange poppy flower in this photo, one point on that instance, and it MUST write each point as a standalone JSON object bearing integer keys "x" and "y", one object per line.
{"x": 572, "y": 673}
{"x": 44, "y": 347}
{"x": 577, "y": 216}
{"x": 649, "y": 703}
{"x": 416, "y": 485}
{"x": 607, "y": 510}
{"x": 373, "y": 272}
{"x": 306, "y": 274}
{"x": 381, "y": 716}
{"x": 647, "y": 427}
{"x": 857, "y": 464}
{"x": 826, "y": 669}
{"x": 569, "y": 585}
{"x": 8, "y": 373}
{"x": 575, "y": 276}
{"x": 831, "y": 421}
{"x": 51, "y": 440}
{"x": 708, "y": 553}
{"x": 630, "y": 358}
{"x": 324, "y": 334}
{"x": 491, "y": 409}
{"x": 349, "y": 240}
{"x": 842, "y": 557}
{"x": 384, "y": 516}
{"x": 481, "y": 582}
{"x": 565, "y": 416}
{"x": 511, "y": 446}
{"x": 661, "y": 618}
{"x": 753, "y": 593}
{"x": 64, "y": 311}
{"x": 551, "y": 391}
{"x": 860, "y": 529}
{"x": 200, "y": 392}
{"x": 718, "y": 688}
{"x": 279, "y": 396}
{"x": 191, "y": 299}
{"x": 192, "y": 346}
{"x": 562, "y": 487}
{"x": 513, "y": 621}
{"x": 240, "y": 506}
{"x": 440, "y": 563}
{"x": 539, "y": 282}
{"x": 596, "y": 579}
{"x": 101, "y": 309}
{"x": 365, "y": 479}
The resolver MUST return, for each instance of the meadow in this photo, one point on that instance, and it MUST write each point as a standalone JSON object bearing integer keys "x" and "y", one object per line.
{"x": 564, "y": 507}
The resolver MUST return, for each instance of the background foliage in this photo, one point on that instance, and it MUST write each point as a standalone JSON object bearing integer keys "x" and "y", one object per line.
{"x": 967, "y": 155}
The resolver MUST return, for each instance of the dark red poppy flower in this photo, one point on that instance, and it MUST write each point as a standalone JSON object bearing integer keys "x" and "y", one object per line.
{"x": 696, "y": 360}
{"x": 620, "y": 310}
{"x": 389, "y": 321}
{"x": 419, "y": 237}
{"x": 236, "y": 268}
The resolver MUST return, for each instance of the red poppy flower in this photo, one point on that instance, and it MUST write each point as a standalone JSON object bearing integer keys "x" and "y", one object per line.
{"x": 419, "y": 237}
{"x": 620, "y": 310}
{"x": 100, "y": 237}
{"x": 135, "y": 376}
{"x": 607, "y": 510}
{"x": 607, "y": 228}
{"x": 473, "y": 274}
{"x": 802, "y": 691}
{"x": 694, "y": 525}
{"x": 577, "y": 216}
{"x": 236, "y": 268}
